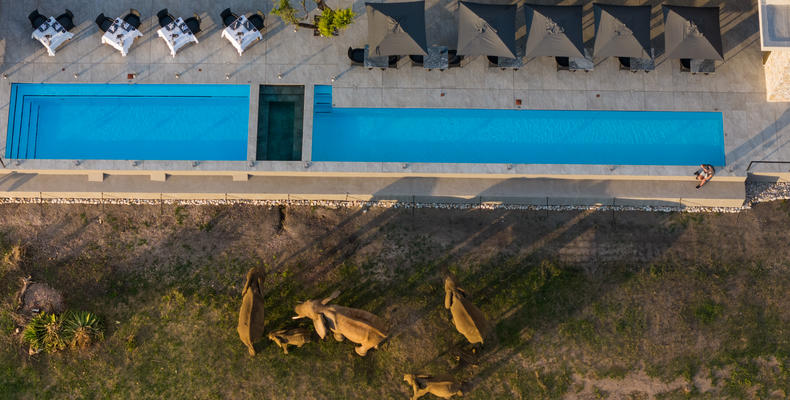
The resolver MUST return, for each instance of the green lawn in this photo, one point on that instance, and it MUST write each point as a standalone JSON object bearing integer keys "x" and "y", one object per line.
{"x": 584, "y": 304}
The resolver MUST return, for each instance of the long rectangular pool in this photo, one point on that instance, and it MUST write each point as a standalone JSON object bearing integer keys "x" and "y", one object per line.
{"x": 516, "y": 136}
{"x": 128, "y": 122}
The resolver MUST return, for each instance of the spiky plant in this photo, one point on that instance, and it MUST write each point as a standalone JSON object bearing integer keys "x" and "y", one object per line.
{"x": 44, "y": 332}
{"x": 81, "y": 329}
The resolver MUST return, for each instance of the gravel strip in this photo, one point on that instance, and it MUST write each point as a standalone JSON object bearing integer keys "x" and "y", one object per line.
{"x": 756, "y": 192}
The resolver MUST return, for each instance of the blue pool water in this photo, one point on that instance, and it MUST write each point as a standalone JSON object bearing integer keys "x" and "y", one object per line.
{"x": 517, "y": 136}
{"x": 128, "y": 122}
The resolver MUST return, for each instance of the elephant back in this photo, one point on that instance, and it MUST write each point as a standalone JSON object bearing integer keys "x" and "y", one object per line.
{"x": 359, "y": 318}
{"x": 469, "y": 320}
{"x": 251, "y": 317}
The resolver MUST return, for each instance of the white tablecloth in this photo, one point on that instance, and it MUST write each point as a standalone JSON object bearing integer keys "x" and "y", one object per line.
{"x": 52, "y": 35}
{"x": 177, "y": 35}
{"x": 241, "y": 34}
{"x": 121, "y": 35}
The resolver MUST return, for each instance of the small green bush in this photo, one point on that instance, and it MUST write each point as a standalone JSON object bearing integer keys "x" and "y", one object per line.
{"x": 330, "y": 21}
{"x": 286, "y": 12}
{"x": 43, "y": 333}
{"x": 81, "y": 329}
{"x": 51, "y": 332}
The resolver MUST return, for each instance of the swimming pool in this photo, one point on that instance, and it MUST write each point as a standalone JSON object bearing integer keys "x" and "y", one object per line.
{"x": 128, "y": 122}
{"x": 515, "y": 136}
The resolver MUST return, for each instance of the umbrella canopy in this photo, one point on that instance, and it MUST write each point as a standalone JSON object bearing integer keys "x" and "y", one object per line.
{"x": 487, "y": 30}
{"x": 396, "y": 28}
{"x": 554, "y": 31}
{"x": 622, "y": 31}
{"x": 692, "y": 32}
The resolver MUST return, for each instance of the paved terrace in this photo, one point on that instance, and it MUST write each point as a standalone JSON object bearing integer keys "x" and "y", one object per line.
{"x": 754, "y": 129}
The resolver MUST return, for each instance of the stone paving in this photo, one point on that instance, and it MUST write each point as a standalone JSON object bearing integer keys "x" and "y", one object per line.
{"x": 754, "y": 128}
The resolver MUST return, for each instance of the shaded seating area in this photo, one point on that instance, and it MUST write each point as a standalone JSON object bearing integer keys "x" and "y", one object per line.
{"x": 693, "y": 35}
{"x": 556, "y": 31}
{"x": 394, "y": 30}
{"x": 624, "y": 32}
{"x": 487, "y": 30}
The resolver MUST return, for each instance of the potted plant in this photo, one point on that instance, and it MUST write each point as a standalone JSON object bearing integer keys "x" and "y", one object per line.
{"x": 327, "y": 24}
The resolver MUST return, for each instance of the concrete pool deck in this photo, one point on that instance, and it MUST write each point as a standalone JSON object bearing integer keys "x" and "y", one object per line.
{"x": 755, "y": 130}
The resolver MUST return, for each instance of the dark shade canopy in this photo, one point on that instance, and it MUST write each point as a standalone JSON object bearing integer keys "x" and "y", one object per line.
{"x": 692, "y": 32}
{"x": 396, "y": 28}
{"x": 554, "y": 31}
{"x": 487, "y": 30}
{"x": 622, "y": 31}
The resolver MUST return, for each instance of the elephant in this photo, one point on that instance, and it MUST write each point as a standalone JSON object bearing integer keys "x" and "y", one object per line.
{"x": 468, "y": 319}
{"x": 439, "y": 387}
{"x": 250, "y": 326}
{"x": 290, "y": 337}
{"x": 358, "y": 326}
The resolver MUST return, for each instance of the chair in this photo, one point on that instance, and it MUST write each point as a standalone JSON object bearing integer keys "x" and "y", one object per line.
{"x": 257, "y": 20}
{"x": 393, "y": 61}
{"x": 453, "y": 59}
{"x": 493, "y": 61}
{"x": 133, "y": 18}
{"x": 357, "y": 56}
{"x": 193, "y": 23}
{"x": 625, "y": 63}
{"x": 685, "y": 64}
{"x": 416, "y": 60}
{"x": 66, "y": 20}
{"x": 228, "y": 17}
{"x": 563, "y": 63}
{"x": 104, "y": 22}
{"x": 164, "y": 17}
{"x": 36, "y": 19}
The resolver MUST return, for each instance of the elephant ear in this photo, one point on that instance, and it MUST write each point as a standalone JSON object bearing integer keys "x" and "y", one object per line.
{"x": 259, "y": 284}
{"x": 448, "y": 299}
{"x": 320, "y": 326}
{"x": 247, "y": 283}
{"x": 331, "y": 297}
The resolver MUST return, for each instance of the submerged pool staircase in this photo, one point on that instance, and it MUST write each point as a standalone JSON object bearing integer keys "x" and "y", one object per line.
{"x": 322, "y": 100}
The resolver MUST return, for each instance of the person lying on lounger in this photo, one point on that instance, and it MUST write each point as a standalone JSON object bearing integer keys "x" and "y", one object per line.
{"x": 704, "y": 174}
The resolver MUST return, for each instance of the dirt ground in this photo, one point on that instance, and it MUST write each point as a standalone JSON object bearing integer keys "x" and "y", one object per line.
{"x": 585, "y": 304}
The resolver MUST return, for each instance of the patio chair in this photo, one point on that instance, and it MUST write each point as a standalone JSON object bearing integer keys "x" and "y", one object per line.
{"x": 563, "y": 63}
{"x": 257, "y": 20}
{"x": 193, "y": 23}
{"x": 36, "y": 19}
{"x": 66, "y": 20}
{"x": 625, "y": 63}
{"x": 228, "y": 17}
{"x": 685, "y": 65}
{"x": 357, "y": 56}
{"x": 104, "y": 22}
{"x": 164, "y": 18}
{"x": 393, "y": 61}
{"x": 416, "y": 60}
{"x": 453, "y": 59}
{"x": 133, "y": 18}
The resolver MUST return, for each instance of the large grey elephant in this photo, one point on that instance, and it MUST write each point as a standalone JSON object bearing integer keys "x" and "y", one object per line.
{"x": 250, "y": 326}
{"x": 468, "y": 319}
{"x": 358, "y": 326}
{"x": 443, "y": 387}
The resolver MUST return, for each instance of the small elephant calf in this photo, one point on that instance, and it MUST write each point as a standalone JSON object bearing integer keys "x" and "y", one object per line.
{"x": 293, "y": 337}
{"x": 439, "y": 387}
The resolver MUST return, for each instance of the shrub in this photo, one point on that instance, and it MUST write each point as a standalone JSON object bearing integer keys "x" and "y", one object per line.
{"x": 330, "y": 21}
{"x": 286, "y": 12}
{"x": 43, "y": 332}
{"x": 51, "y": 332}
{"x": 81, "y": 329}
